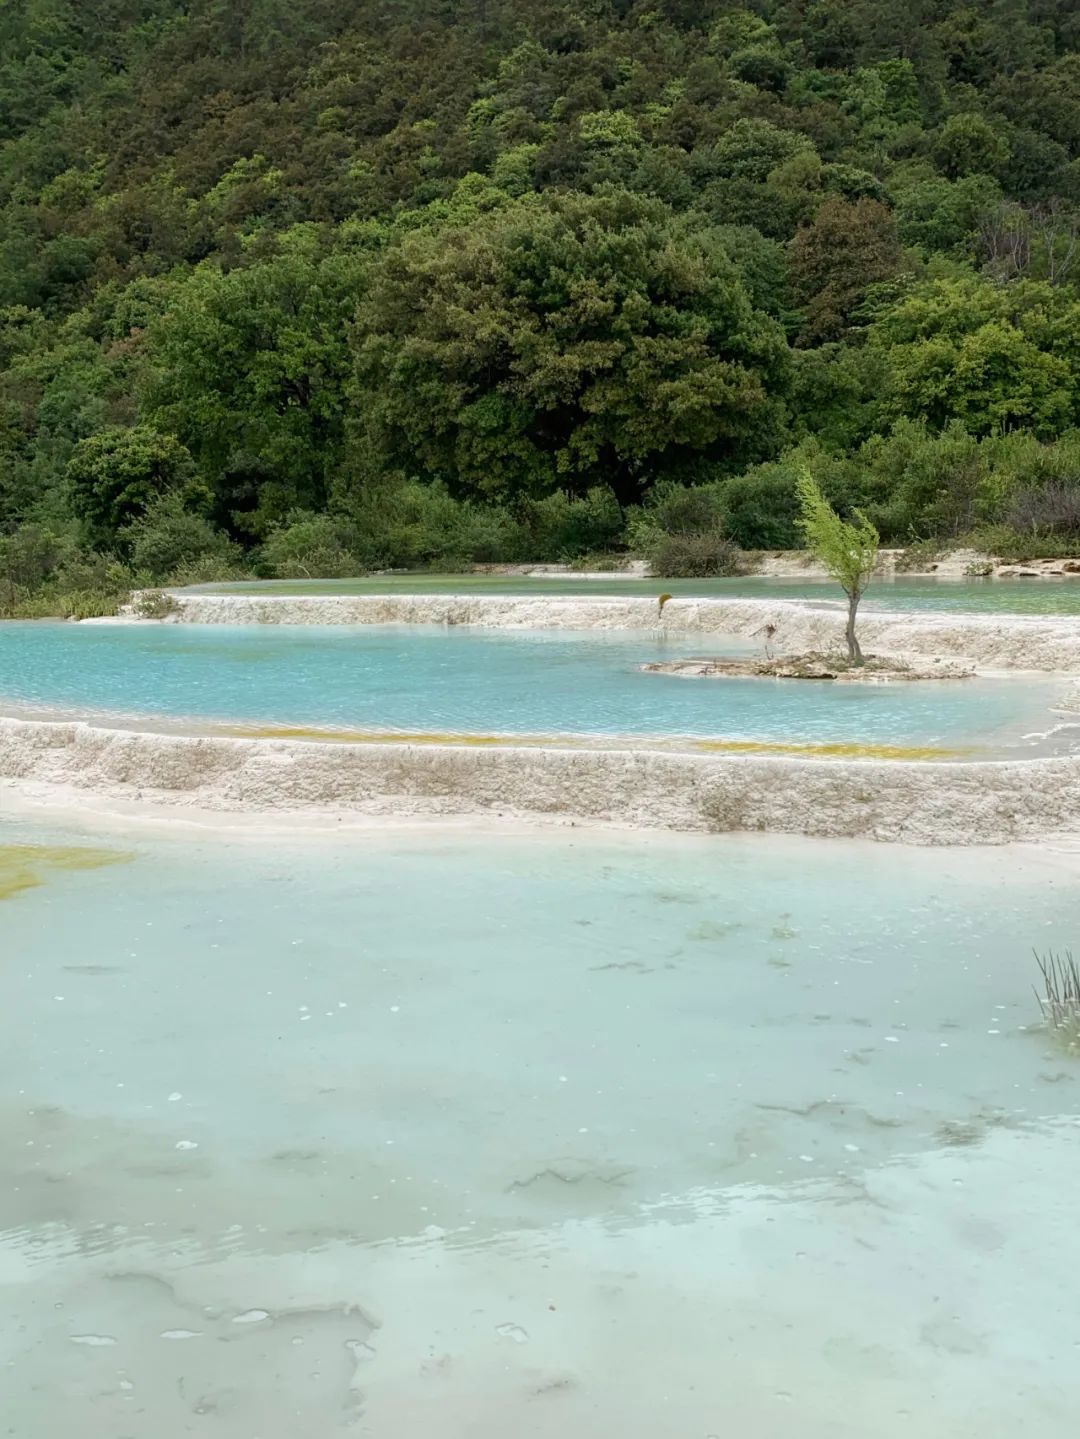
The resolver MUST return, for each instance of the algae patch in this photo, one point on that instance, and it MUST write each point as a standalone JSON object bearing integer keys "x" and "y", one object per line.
{"x": 342, "y": 736}
{"x": 26, "y": 866}
{"x": 803, "y": 749}
{"x": 833, "y": 750}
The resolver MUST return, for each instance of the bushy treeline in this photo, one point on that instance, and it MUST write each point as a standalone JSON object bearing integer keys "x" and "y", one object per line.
{"x": 307, "y": 286}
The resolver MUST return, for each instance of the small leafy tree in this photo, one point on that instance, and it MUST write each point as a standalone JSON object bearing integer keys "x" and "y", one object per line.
{"x": 116, "y": 475}
{"x": 847, "y": 548}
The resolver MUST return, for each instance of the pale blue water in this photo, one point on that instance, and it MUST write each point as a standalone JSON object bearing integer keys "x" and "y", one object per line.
{"x": 1035, "y": 597}
{"x": 550, "y": 1136}
{"x": 417, "y": 678}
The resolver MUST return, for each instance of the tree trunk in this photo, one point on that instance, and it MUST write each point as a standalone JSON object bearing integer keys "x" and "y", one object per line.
{"x": 855, "y": 654}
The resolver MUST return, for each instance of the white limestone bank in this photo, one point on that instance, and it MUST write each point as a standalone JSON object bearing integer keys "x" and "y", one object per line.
{"x": 944, "y": 803}
{"x": 999, "y": 641}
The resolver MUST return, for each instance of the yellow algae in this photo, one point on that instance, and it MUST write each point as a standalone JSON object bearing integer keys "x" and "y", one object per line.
{"x": 25, "y": 866}
{"x": 341, "y": 736}
{"x": 835, "y": 750}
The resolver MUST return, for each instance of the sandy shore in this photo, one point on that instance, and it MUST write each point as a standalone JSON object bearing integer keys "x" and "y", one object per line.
{"x": 945, "y": 802}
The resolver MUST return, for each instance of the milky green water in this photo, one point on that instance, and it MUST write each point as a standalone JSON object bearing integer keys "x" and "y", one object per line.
{"x": 480, "y": 1136}
{"x": 1033, "y": 597}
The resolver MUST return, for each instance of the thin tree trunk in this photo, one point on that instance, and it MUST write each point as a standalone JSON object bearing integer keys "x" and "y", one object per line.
{"x": 855, "y": 654}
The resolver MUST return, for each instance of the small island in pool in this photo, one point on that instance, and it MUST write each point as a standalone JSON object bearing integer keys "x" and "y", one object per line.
{"x": 875, "y": 669}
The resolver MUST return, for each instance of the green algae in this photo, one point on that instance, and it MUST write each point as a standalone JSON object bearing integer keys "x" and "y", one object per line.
{"x": 28, "y": 866}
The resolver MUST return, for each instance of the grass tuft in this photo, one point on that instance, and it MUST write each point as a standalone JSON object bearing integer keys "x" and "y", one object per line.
{"x": 1060, "y": 1002}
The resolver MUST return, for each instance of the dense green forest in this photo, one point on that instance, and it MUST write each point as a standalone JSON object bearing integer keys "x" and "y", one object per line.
{"x": 308, "y": 286}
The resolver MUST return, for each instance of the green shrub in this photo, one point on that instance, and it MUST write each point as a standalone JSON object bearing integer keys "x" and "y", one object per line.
{"x": 762, "y": 509}
{"x": 27, "y": 558}
{"x": 606, "y": 562}
{"x": 936, "y": 480}
{"x": 89, "y": 604}
{"x": 708, "y": 554}
{"x": 918, "y": 555}
{"x": 39, "y": 605}
{"x": 1012, "y": 546}
{"x": 407, "y": 525}
{"x": 676, "y": 509}
{"x": 169, "y": 538}
{"x": 154, "y": 605}
{"x": 1052, "y": 510}
{"x": 944, "y": 485}
{"x": 477, "y": 535}
{"x": 562, "y": 527}
{"x": 208, "y": 569}
{"x": 116, "y": 475}
{"x": 311, "y": 546}
{"x": 44, "y": 575}
{"x": 90, "y": 584}
{"x": 683, "y": 530}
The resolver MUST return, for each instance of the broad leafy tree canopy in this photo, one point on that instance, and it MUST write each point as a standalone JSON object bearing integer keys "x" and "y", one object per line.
{"x": 504, "y": 252}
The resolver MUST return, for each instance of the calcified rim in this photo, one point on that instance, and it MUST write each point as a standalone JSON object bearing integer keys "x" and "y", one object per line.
{"x": 989, "y": 642}
{"x": 196, "y": 727}
{"x": 675, "y": 744}
{"x": 709, "y": 785}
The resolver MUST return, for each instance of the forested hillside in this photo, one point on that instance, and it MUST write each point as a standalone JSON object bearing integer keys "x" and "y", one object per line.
{"x": 311, "y": 285}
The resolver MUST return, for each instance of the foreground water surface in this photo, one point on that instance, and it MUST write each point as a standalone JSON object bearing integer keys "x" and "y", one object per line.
{"x": 547, "y": 1136}
{"x": 433, "y": 679}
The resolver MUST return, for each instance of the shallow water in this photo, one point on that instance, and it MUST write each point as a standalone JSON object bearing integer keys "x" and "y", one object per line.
{"x": 432, "y": 679}
{"x": 1024, "y": 597}
{"x": 27, "y": 866}
{"x": 536, "y": 1136}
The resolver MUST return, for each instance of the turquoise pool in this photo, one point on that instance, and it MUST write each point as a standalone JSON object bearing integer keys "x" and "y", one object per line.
{"x": 431, "y": 679}
{"x": 547, "y": 1136}
{"x": 1034, "y": 597}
